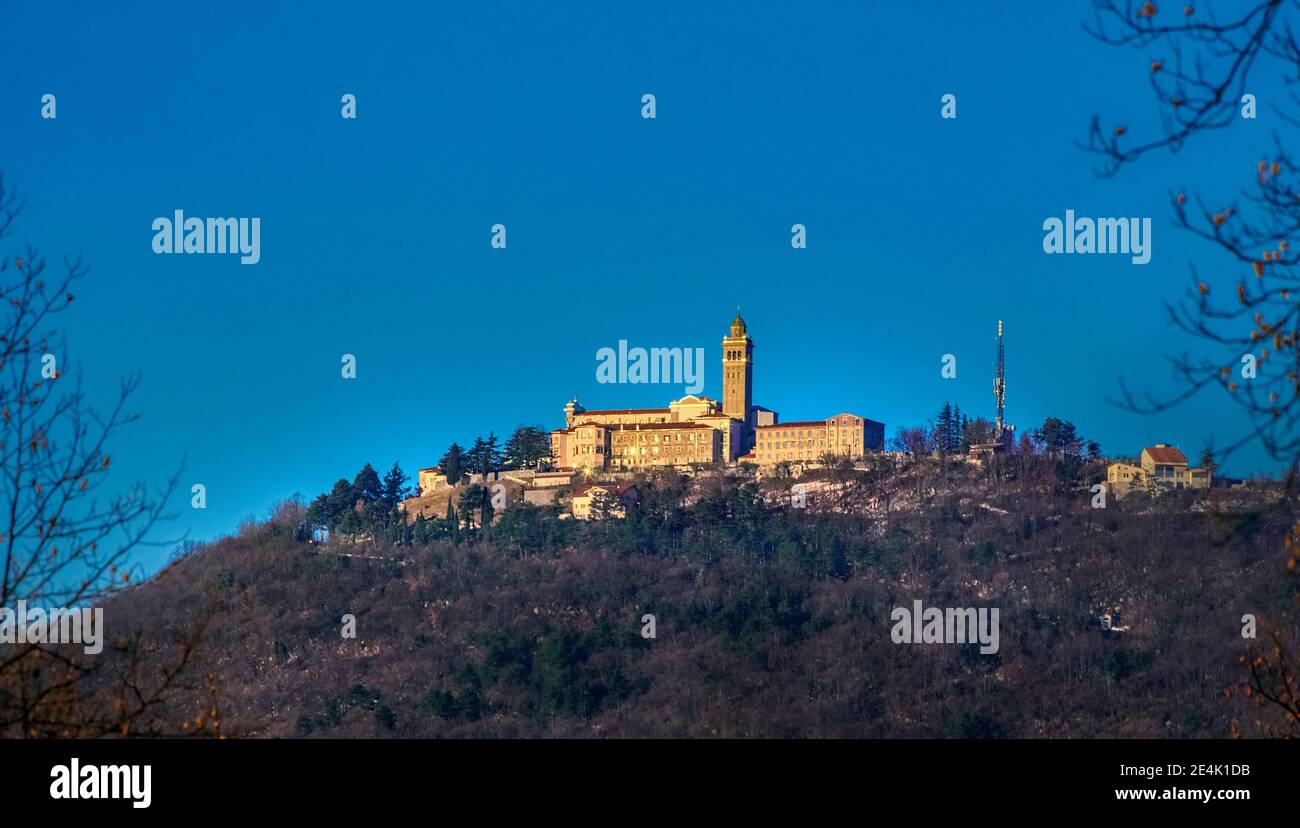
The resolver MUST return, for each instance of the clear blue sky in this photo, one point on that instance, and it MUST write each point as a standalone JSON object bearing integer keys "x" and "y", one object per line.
{"x": 922, "y": 232}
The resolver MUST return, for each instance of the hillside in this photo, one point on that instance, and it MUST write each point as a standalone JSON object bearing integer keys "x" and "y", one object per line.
{"x": 770, "y": 621}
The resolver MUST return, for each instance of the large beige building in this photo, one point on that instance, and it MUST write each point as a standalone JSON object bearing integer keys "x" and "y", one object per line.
{"x": 697, "y": 429}
{"x": 844, "y": 435}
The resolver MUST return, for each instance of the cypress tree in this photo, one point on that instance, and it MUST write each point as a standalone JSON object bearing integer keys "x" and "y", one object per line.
{"x": 453, "y": 464}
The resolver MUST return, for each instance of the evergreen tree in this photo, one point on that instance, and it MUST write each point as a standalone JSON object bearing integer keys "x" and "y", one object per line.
{"x": 453, "y": 464}
{"x": 527, "y": 448}
{"x": 453, "y": 523}
{"x": 393, "y": 489}
{"x": 318, "y": 514}
{"x": 485, "y": 456}
{"x": 476, "y": 458}
{"x": 492, "y": 452}
{"x": 367, "y": 486}
{"x": 485, "y": 508}
{"x": 471, "y": 498}
{"x": 369, "y": 492}
{"x": 1207, "y": 460}
{"x": 943, "y": 429}
{"x": 1058, "y": 437}
{"x": 340, "y": 503}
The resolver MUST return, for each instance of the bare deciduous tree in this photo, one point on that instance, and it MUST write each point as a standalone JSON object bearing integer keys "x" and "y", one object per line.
{"x": 1201, "y": 82}
{"x": 66, "y": 538}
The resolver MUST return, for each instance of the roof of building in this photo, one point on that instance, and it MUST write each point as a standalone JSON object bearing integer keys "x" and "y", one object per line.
{"x": 615, "y": 488}
{"x": 654, "y": 426}
{"x": 859, "y": 416}
{"x": 1165, "y": 454}
{"x": 628, "y": 411}
{"x": 620, "y": 427}
{"x": 795, "y": 424}
{"x": 696, "y": 398}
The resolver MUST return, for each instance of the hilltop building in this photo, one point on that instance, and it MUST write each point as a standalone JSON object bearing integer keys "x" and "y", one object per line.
{"x": 845, "y": 435}
{"x": 697, "y": 429}
{"x": 590, "y": 501}
{"x": 1160, "y": 466}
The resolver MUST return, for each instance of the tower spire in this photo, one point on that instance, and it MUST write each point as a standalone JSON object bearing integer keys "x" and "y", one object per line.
{"x": 737, "y": 380}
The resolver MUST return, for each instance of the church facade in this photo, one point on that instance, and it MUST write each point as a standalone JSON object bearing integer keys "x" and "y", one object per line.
{"x": 698, "y": 429}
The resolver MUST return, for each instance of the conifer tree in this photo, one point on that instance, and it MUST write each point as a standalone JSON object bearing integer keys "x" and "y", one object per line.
{"x": 943, "y": 428}
{"x": 366, "y": 486}
{"x": 393, "y": 489}
{"x": 340, "y": 504}
{"x": 526, "y": 448}
{"x": 453, "y": 464}
{"x": 453, "y": 523}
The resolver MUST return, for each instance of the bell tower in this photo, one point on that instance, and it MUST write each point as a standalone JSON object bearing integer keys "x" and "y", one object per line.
{"x": 738, "y": 374}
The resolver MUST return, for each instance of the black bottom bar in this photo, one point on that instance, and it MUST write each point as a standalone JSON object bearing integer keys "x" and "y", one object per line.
{"x": 378, "y": 778}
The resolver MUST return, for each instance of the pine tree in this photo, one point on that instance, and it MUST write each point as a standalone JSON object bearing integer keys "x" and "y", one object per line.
{"x": 393, "y": 489}
{"x": 484, "y": 456}
{"x": 1058, "y": 437}
{"x": 340, "y": 503}
{"x": 526, "y": 448}
{"x": 453, "y": 464}
{"x": 491, "y": 455}
{"x": 474, "y": 458}
{"x": 318, "y": 514}
{"x": 1206, "y": 460}
{"x": 943, "y": 428}
{"x": 366, "y": 485}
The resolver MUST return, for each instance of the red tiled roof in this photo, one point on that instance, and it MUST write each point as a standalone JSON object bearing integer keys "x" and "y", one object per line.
{"x": 796, "y": 424}
{"x": 632, "y": 426}
{"x": 653, "y": 426}
{"x": 1166, "y": 454}
{"x": 623, "y": 411}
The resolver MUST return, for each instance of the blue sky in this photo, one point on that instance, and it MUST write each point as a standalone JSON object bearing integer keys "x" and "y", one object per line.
{"x": 922, "y": 232}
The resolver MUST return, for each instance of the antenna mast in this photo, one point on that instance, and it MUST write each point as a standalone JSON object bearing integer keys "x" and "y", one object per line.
{"x": 1000, "y": 382}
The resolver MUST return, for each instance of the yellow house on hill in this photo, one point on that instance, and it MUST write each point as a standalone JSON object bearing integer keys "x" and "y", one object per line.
{"x": 616, "y": 496}
{"x": 1161, "y": 465}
